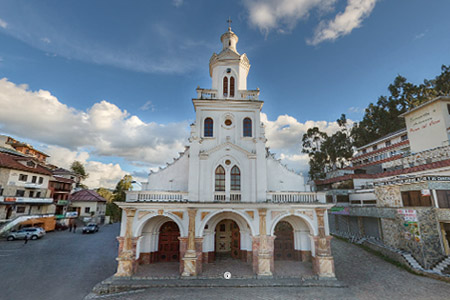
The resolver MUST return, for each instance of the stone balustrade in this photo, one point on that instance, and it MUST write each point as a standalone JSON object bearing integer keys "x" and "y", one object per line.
{"x": 156, "y": 196}
{"x": 206, "y": 94}
{"x": 294, "y": 197}
{"x": 420, "y": 158}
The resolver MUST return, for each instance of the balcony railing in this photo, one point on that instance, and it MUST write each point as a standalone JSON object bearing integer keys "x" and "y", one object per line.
{"x": 235, "y": 197}
{"x": 159, "y": 196}
{"x": 249, "y": 94}
{"x": 220, "y": 196}
{"x": 295, "y": 197}
{"x": 206, "y": 94}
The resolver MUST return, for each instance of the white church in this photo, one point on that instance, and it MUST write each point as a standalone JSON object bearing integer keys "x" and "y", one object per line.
{"x": 226, "y": 195}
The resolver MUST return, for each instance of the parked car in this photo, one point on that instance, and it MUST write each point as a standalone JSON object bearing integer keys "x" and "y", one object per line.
{"x": 33, "y": 233}
{"x": 90, "y": 228}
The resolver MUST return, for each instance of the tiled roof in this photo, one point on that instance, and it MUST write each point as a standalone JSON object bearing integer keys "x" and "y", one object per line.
{"x": 425, "y": 167}
{"x": 86, "y": 195}
{"x": 9, "y": 161}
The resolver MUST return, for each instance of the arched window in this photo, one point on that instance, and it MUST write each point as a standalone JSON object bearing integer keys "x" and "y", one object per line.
{"x": 232, "y": 86}
{"x": 235, "y": 179}
{"x": 220, "y": 179}
{"x": 209, "y": 126}
{"x": 225, "y": 86}
{"x": 248, "y": 127}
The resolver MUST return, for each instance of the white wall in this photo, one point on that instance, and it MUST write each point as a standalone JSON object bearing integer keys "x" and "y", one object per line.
{"x": 279, "y": 178}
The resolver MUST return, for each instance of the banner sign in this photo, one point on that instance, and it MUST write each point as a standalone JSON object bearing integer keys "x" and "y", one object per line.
{"x": 339, "y": 210}
{"x": 71, "y": 214}
{"x": 414, "y": 180}
{"x": 410, "y": 224}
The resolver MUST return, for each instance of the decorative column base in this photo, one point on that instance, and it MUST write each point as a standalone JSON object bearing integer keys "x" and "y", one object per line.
{"x": 264, "y": 260}
{"x": 324, "y": 266}
{"x": 126, "y": 265}
{"x": 190, "y": 268}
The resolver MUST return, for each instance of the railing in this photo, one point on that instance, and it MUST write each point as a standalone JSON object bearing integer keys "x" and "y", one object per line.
{"x": 294, "y": 197}
{"x": 249, "y": 94}
{"x": 206, "y": 94}
{"x": 235, "y": 197}
{"x": 153, "y": 196}
{"x": 220, "y": 196}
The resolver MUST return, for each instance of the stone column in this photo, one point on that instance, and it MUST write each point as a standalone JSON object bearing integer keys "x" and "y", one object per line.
{"x": 323, "y": 263}
{"x": 190, "y": 257}
{"x": 265, "y": 249}
{"x": 126, "y": 258}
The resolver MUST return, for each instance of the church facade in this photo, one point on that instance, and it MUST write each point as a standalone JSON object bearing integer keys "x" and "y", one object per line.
{"x": 226, "y": 194}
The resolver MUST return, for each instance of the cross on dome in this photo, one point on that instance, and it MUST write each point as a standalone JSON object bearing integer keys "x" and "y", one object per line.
{"x": 229, "y": 23}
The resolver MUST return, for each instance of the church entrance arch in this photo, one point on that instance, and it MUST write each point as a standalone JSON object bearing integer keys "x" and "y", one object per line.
{"x": 284, "y": 241}
{"x": 169, "y": 243}
{"x": 227, "y": 239}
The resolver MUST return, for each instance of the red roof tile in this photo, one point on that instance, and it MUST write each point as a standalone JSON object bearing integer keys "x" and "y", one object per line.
{"x": 13, "y": 162}
{"x": 86, "y": 195}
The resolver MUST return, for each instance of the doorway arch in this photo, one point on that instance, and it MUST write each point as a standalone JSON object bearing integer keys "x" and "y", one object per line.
{"x": 227, "y": 240}
{"x": 284, "y": 241}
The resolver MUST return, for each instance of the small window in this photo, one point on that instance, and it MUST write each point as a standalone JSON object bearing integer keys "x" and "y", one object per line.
{"x": 31, "y": 194}
{"x": 38, "y": 194}
{"x": 87, "y": 209}
{"x": 209, "y": 127}
{"x": 225, "y": 86}
{"x": 41, "y": 180}
{"x": 388, "y": 143}
{"x": 20, "y": 209}
{"x": 23, "y": 177}
{"x": 363, "y": 151}
{"x": 375, "y": 147}
{"x": 404, "y": 137}
{"x": 448, "y": 108}
{"x": 34, "y": 179}
{"x": 1, "y": 190}
{"x": 232, "y": 86}
{"x": 247, "y": 127}
{"x": 20, "y": 193}
{"x": 220, "y": 179}
{"x": 415, "y": 198}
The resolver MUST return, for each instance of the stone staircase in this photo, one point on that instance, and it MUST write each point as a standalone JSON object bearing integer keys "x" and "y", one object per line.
{"x": 442, "y": 268}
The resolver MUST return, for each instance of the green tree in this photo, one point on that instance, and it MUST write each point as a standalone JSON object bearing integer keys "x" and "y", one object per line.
{"x": 78, "y": 168}
{"x": 105, "y": 193}
{"x": 125, "y": 184}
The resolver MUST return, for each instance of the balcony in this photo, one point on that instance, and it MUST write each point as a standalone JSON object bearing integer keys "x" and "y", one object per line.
{"x": 156, "y": 196}
{"x": 249, "y": 94}
{"x": 31, "y": 185}
{"x": 206, "y": 94}
{"x": 295, "y": 197}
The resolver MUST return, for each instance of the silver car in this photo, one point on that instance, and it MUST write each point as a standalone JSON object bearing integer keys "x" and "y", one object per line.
{"x": 32, "y": 233}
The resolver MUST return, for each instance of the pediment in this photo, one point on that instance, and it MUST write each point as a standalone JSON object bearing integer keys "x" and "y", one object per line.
{"x": 226, "y": 145}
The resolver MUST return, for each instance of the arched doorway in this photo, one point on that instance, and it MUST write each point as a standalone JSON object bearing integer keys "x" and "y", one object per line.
{"x": 284, "y": 242}
{"x": 168, "y": 243}
{"x": 227, "y": 239}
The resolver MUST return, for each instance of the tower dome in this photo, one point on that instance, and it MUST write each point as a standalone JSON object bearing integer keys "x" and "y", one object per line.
{"x": 229, "y": 40}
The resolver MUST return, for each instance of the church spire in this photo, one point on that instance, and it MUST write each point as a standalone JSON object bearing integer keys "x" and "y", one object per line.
{"x": 229, "y": 39}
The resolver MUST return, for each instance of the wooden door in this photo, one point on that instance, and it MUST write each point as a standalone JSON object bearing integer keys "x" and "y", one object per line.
{"x": 284, "y": 241}
{"x": 228, "y": 239}
{"x": 169, "y": 244}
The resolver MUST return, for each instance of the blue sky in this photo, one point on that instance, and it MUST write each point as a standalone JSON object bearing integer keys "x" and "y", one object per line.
{"x": 137, "y": 64}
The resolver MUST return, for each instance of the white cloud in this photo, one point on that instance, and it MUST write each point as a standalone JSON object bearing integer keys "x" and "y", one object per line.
{"x": 283, "y": 15}
{"x": 343, "y": 24}
{"x": 100, "y": 174}
{"x": 277, "y": 14}
{"x": 177, "y": 3}
{"x": 284, "y": 137}
{"x": 104, "y": 129}
{"x": 148, "y": 106}
{"x": 46, "y": 40}
{"x": 3, "y": 24}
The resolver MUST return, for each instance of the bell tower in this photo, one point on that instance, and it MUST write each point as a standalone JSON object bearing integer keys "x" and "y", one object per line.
{"x": 229, "y": 69}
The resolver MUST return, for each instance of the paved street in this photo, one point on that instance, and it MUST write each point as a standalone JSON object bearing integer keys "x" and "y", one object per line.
{"x": 66, "y": 266}
{"x": 62, "y": 265}
{"x": 367, "y": 277}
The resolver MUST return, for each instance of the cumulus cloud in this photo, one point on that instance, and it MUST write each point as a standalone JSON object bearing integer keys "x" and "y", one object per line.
{"x": 282, "y": 15}
{"x": 284, "y": 137}
{"x": 104, "y": 128}
{"x": 3, "y": 24}
{"x": 355, "y": 12}
{"x": 100, "y": 174}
